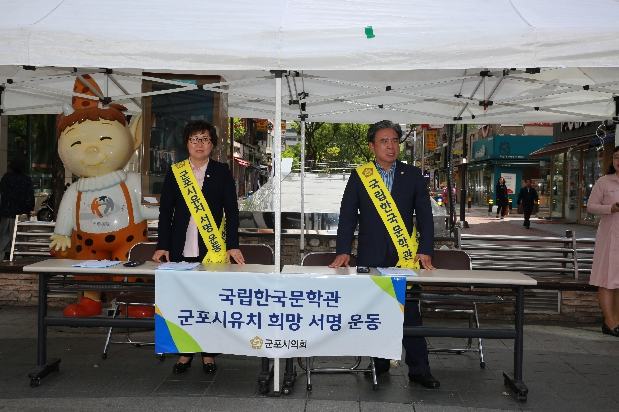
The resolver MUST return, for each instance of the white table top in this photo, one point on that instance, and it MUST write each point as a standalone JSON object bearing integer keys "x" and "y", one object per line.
{"x": 465, "y": 277}
{"x": 148, "y": 268}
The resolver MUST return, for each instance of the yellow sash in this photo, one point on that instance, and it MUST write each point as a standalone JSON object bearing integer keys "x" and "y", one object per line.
{"x": 390, "y": 215}
{"x": 214, "y": 238}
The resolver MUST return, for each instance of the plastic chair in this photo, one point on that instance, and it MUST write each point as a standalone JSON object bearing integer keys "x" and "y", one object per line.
{"x": 259, "y": 254}
{"x": 455, "y": 259}
{"x": 325, "y": 259}
{"x": 139, "y": 251}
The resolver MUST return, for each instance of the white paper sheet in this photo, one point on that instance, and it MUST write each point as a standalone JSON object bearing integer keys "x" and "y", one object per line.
{"x": 97, "y": 264}
{"x": 178, "y": 265}
{"x": 396, "y": 271}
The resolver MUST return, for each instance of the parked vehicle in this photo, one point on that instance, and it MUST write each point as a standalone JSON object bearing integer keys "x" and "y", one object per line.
{"x": 46, "y": 213}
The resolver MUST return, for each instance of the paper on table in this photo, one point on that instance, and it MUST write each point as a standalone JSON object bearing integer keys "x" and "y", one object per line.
{"x": 178, "y": 265}
{"x": 396, "y": 271}
{"x": 97, "y": 264}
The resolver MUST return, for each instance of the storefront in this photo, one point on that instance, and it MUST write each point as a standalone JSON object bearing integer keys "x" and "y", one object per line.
{"x": 508, "y": 156}
{"x": 580, "y": 155}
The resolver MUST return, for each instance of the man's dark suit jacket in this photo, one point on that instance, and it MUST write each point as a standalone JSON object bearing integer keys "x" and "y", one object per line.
{"x": 220, "y": 194}
{"x": 528, "y": 198}
{"x": 375, "y": 247}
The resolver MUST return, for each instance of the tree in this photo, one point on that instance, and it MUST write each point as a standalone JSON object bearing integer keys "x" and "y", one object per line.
{"x": 294, "y": 152}
{"x": 239, "y": 130}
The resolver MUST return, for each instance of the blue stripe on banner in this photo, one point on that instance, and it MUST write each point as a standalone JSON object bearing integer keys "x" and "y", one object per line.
{"x": 399, "y": 286}
{"x": 163, "y": 339}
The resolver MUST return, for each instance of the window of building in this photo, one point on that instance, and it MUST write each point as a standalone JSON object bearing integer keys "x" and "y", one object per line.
{"x": 592, "y": 170}
{"x": 34, "y": 137}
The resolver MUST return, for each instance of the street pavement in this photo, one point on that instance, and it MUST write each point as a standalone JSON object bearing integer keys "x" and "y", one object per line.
{"x": 567, "y": 367}
{"x": 483, "y": 223}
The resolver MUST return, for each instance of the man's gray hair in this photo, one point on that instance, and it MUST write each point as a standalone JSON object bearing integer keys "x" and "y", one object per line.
{"x": 383, "y": 124}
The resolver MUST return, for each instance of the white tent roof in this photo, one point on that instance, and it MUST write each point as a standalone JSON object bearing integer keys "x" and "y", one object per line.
{"x": 429, "y": 54}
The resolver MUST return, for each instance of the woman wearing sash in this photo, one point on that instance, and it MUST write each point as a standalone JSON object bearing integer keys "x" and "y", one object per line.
{"x": 179, "y": 238}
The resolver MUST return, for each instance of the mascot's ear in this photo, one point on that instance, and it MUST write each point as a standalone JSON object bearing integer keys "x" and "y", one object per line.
{"x": 135, "y": 126}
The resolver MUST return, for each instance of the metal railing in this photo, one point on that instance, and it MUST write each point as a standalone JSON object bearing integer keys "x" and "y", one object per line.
{"x": 566, "y": 256}
{"x": 32, "y": 238}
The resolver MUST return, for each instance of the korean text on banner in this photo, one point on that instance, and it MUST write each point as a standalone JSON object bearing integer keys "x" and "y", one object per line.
{"x": 279, "y": 316}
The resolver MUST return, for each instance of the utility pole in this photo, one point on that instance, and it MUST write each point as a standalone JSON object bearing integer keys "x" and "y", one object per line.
{"x": 463, "y": 177}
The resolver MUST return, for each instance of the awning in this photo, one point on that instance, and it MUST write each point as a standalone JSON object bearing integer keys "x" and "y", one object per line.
{"x": 561, "y": 146}
{"x": 596, "y": 141}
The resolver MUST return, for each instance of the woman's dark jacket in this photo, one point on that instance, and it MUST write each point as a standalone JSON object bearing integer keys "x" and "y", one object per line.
{"x": 220, "y": 193}
{"x": 501, "y": 195}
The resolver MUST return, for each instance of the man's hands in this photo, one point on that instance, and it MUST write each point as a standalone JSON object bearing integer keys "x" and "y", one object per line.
{"x": 614, "y": 208}
{"x": 426, "y": 261}
{"x": 161, "y": 253}
{"x": 340, "y": 260}
{"x": 60, "y": 242}
{"x": 236, "y": 255}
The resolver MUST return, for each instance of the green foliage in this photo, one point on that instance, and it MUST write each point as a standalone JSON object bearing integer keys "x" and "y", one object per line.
{"x": 337, "y": 142}
{"x": 294, "y": 152}
{"x": 238, "y": 130}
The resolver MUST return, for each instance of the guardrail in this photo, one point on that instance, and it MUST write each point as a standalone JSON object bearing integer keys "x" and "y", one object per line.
{"x": 31, "y": 239}
{"x": 538, "y": 255}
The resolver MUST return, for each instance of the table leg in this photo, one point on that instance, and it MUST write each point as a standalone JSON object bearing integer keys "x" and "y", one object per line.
{"x": 290, "y": 376}
{"x": 265, "y": 376}
{"x": 43, "y": 368}
{"x": 516, "y": 384}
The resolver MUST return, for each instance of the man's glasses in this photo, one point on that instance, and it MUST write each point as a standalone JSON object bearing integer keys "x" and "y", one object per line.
{"x": 196, "y": 140}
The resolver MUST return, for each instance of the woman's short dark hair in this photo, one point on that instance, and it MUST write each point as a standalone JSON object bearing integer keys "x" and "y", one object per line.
{"x": 199, "y": 126}
{"x": 19, "y": 164}
{"x": 611, "y": 168}
{"x": 498, "y": 181}
{"x": 383, "y": 124}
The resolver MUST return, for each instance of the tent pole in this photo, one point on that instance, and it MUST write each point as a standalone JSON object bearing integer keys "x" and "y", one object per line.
{"x": 464, "y": 178}
{"x": 302, "y": 240}
{"x": 450, "y": 172}
{"x": 277, "y": 161}
{"x": 277, "y": 194}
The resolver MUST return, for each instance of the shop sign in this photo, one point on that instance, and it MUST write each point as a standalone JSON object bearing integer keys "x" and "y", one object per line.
{"x": 431, "y": 140}
{"x": 262, "y": 125}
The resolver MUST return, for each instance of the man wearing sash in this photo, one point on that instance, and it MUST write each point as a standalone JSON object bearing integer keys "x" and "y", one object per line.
{"x": 383, "y": 196}
{"x": 195, "y": 196}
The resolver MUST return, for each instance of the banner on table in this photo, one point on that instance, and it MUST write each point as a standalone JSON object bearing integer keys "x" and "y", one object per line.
{"x": 279, "y": 316}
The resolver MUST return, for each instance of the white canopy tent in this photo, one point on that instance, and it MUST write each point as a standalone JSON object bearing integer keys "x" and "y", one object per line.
{"x": 411, "y": 61}
{"x": 426, "y": 62}
{"x": 484, "y": 61}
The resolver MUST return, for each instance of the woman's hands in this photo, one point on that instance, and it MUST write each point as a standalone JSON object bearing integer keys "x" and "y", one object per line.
{"x": 161, "y": 253}
{"x": 614, "y": 208}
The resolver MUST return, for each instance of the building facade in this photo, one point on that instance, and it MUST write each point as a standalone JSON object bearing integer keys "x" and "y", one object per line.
{"x": 580, "y": 154}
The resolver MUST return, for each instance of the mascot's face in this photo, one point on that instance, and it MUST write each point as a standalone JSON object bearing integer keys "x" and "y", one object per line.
{"x": 95, "y": 148}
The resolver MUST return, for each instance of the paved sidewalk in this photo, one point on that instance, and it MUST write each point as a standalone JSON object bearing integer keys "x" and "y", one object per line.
{"x": 482, "y": 223}
{"x": 567, "y": 367}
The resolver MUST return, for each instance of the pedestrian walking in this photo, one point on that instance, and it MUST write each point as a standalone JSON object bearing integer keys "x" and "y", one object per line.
{"x": 502, "y": 200}
{"x": 528, "y": 197}
{"x": 17, "y": 199}
{"x": 604, "y": 201}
